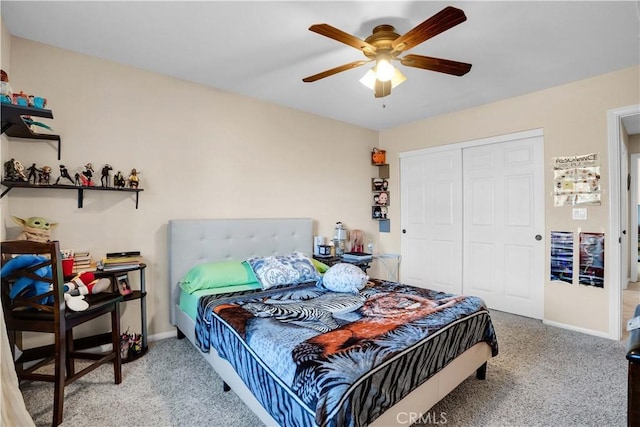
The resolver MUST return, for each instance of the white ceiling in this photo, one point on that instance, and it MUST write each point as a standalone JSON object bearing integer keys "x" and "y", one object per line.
{"x": 263, "y": 49}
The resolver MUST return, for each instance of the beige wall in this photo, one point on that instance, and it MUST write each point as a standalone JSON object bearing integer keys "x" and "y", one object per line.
{"x": 574, "y": 120}
{"x": 203, "y": 153}
{"x": 207, "y": 153}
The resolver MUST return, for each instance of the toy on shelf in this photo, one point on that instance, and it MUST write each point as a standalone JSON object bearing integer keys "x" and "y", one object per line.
{"x": 134, "y": 180}
{"x": 14, "y": 171}
{"x": 35, "y": 228}
{"x": 8, "y": 97}
{"x": 6, "y": 93}
{"x": 87, "y": 175}
{"x": 64, "y": 173}
{"x": 118, "y": 180}
{"x": 105, "y": 179}
{"x": 44, "y": 175}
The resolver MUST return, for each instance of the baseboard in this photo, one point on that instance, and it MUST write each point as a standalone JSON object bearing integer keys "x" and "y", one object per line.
{"x": 577, "y": 329}
{"x": 162, "y": 336}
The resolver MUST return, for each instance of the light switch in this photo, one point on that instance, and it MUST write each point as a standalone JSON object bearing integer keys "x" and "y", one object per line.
{"x": 580, "y": 213}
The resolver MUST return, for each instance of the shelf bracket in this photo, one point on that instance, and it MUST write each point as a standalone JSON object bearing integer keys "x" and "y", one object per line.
{"x": 80, "y": 197}
{"x": 5, "y": 192}
{"x": 6, "y": 126}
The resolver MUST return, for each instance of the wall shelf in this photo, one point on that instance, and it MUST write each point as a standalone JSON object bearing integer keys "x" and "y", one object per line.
{"x": 379, "y": 185}
{"x": 22, "y": 184}
{"x": 14, "y": 126}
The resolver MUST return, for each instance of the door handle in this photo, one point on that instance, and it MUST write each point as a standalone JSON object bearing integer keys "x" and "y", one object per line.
{"x": 538, "y": 237}
{"x": 404, "y": 231}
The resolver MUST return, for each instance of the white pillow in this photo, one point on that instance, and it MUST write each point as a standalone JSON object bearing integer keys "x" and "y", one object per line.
{"x": 344, "y": 277}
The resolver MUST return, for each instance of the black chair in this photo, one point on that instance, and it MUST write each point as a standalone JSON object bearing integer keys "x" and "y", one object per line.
{"x": 31, "y": 314}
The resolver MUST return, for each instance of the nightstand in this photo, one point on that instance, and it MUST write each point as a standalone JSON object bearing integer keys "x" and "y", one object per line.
{"x": 364, "y": 265}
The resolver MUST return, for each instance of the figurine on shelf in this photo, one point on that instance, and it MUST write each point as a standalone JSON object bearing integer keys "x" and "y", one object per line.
{"x": 118, "y": 180}
{"x": 6, "y": 93}
{"x": 11, "y": 172}
{"x": 105, "y": 178}
{"x": 87, "y": 175}
{"x": 64, "y": 173}
{"x": 44, "y": 175}
{"x": 20, "y": 171}
{"x": 76, "y": 177}
{"x": 133, "y": 179}
{"x": 33, "y": 171}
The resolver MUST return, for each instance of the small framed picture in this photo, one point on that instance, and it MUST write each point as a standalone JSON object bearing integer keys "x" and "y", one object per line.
{"x": 123, "y": 284}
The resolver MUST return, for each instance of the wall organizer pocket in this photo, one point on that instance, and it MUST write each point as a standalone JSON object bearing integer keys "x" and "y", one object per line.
{"x": 380, "y": 197}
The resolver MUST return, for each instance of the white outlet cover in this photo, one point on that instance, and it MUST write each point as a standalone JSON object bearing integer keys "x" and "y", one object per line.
{"x": 579, "y": 213}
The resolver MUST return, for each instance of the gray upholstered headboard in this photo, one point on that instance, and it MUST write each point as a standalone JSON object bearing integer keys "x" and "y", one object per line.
{"x": 193, "y": 241}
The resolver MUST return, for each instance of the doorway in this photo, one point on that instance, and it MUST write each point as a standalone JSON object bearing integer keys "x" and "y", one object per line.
{"x": 620, "y": 122}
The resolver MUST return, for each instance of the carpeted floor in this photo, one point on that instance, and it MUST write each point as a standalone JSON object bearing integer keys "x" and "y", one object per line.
{"x": 543, "y": 376}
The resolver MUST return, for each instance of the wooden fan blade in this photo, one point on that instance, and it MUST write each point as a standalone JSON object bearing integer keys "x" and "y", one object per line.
{"x": 333, "y": 71}
{"x": 447, "y": 18}
{"x": 382, "y": 89}
{"x": 436, "y": 64}
{"x": 339, "y": 35}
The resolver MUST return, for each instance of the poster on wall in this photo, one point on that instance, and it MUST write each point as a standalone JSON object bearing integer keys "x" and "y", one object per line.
{"x": 576, "y": 180}
{"x": 562, "y": 256}
{"x": 592, "y": 259}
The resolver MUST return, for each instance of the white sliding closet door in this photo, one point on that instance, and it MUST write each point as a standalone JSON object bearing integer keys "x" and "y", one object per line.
{"x": 431, "y": 193}
{"x": 472, "y": 221}
{"x": 503, "y": 248}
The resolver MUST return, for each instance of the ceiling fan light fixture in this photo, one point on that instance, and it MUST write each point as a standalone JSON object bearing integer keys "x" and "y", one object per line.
{"x": 384, "y": 69}
{"x": 397, "y": 78}
{"x": 369, "y": 79}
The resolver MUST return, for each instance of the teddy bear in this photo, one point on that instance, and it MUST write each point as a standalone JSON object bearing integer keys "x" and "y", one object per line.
{"x": 74, "y": 290}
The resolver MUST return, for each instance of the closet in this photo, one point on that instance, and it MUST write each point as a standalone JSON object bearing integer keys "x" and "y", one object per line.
{"x": 473, "y": 220}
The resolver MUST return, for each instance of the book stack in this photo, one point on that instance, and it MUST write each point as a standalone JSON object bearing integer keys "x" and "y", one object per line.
{"x": 120, "y": 260}
{"x": 356, "y": 256}
{"x": 81, "y": 261}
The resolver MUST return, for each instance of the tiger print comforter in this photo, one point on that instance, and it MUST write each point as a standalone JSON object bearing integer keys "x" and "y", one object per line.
{"x": 315, "y": 357}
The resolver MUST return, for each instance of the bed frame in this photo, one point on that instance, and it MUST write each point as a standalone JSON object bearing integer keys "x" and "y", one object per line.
{"x": 193, "y": 241}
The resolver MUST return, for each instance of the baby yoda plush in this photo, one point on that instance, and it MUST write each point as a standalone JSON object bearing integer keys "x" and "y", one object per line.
{"x": 35, "y": 228}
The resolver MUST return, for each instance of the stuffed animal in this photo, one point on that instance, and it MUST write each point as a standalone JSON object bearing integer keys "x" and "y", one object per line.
{"x": 35, "y": 228}
{"x": 74, "y": 291}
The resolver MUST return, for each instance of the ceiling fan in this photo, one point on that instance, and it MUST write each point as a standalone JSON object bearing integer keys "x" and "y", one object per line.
{"x": 385, "y": 45}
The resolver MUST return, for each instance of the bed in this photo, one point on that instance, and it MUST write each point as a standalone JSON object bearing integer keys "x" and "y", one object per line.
{"x": 200, "y": 241}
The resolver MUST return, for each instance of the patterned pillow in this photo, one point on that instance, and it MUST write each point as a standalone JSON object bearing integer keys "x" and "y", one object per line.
{"x": 344, "y": 277}
{"x": 283, "y": 269}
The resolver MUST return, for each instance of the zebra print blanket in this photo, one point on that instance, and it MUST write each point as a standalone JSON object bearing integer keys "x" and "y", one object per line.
{"x": 315, "y": 357}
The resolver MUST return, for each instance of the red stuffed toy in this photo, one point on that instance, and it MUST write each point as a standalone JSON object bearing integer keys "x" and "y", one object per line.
{"x": 87, "y": 284}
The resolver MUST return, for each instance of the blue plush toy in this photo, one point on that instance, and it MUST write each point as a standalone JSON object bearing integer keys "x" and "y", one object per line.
{"x": 24, "y": 285}
{"x": 28, "y": 287}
